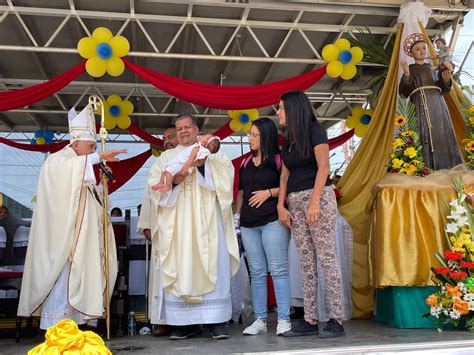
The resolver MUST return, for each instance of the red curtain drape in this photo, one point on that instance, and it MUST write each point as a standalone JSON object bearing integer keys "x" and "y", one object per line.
{"x": 13, "y": 99}
{"x": 124, "y": 170}
{"x": 52, "y": 148}
{"x": 226, "y": 97}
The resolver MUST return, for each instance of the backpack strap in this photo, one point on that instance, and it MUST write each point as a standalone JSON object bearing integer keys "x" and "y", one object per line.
{"x": 278, "y": 161}
{"x": 246, "y": 161}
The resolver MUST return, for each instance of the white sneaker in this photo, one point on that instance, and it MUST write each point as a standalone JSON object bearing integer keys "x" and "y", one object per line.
{"x": 257, "y": 327}
{"x": 283, "y": 326}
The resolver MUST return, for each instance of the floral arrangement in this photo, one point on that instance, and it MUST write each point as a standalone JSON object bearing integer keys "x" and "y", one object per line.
{"x": 453, "y": 303}
{"x": 406, "y": 156}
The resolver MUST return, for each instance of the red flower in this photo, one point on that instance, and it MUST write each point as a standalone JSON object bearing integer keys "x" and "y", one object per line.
{"x": 458, "y": 275}
{"x": 452, "y": 255}
{"x": 441, "y": 270}
{"x": 338, "y": 194}
{"x": 468, "y": 264}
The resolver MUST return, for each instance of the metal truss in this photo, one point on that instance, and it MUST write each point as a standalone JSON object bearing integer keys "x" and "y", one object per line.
{"x": 239, "y": 26}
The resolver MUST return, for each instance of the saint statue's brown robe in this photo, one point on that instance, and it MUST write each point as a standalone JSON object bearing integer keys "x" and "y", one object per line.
{"x": 425, "y": 89}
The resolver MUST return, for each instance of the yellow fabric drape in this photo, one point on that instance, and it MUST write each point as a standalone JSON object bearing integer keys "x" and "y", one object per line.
{"x": 366, "y": 168}
{"x": 452, "y": 99}
{"x": 65, "y": 338}
{"x": 408, "y": 225}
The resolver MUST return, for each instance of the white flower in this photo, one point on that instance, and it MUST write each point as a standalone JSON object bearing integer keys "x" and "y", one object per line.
{"x": 469, "y": 297}
{"x": 454, "y": 203}
{"x": 452, "y": 228}
{"x": 462, "y": 221}
{"x": 470, "y": 306}
{"x": 434, "y": 312}
{"x": 455, "y": 314}
{"x": 462, "y": 197}
{"x": 446, "y": 312}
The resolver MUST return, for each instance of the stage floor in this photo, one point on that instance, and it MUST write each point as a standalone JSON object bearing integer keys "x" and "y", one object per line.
{"x": 362, "y": 337}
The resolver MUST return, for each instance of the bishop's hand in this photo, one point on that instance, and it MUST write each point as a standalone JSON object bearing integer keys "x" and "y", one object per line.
{"x": 111, "y": 155}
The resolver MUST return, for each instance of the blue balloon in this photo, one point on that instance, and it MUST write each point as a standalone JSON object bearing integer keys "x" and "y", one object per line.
{"x": 48, "y": 135}
{"x": 104, "y": 50}
{"x": 114, "y": 110}
{"x": 365, "y": 119}
{"x": 345, "y": 56}
{"x": 244, "y": 118}
{"x": 39, "y": 133}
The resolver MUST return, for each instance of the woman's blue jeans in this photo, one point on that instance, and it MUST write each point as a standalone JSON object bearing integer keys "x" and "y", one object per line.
{"x": 266, "y": 248}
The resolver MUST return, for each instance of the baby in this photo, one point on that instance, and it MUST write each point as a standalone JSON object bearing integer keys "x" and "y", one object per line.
{"x": 187, "y": 158}
{"x": 444, "y": 56}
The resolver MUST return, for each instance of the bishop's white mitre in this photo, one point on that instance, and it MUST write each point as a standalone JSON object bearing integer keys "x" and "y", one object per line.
{"x": 82, "y": 125}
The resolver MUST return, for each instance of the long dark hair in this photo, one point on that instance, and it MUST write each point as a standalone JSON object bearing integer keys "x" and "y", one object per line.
{"x": 300, "y": 117}
{"x": 268, "y": 140}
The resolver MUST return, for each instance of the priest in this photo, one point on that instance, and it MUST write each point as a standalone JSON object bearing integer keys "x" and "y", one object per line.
{"x": 193, "y": 240}
{"x": 64, "y": 275}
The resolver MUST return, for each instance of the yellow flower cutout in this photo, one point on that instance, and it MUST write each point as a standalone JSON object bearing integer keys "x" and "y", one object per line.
{"x": 410, "y": 152}
{"x": 342, "y": 59}
{"x": 400, "y": 120}
{"x": 241, "y": 120}
{"x": 103, "y": 52}
{"x": 359, "y": 120}
{"x": 117, "y": 112}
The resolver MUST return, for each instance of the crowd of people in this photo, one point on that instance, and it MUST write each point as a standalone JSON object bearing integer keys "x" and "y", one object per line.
{"x": 188, "y": 214}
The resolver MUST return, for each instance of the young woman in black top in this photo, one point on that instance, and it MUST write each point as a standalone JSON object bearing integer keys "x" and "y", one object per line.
{"x": 312, "y": 210}
{"x": 265, "y": 239}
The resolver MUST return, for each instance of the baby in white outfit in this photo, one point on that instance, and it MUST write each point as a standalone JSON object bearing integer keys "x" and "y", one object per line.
{"x": 187, "y": 158}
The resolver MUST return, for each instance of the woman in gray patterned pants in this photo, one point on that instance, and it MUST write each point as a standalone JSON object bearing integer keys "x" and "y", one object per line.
{"x": 312, "y": 211}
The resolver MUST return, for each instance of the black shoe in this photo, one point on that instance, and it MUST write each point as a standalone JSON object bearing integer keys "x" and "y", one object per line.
{"x": 301, "y": 329}
{"x": 218, "y": 331}
{"x": 332, "y": 329}
{"x": 184, "y": 332}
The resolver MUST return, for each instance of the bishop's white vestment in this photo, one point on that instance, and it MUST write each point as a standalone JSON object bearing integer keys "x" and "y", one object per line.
{"x": 65, "y": 261}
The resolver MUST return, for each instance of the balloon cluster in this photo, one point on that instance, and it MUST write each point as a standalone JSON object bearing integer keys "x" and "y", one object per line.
{"x": 359, "y": 120}
{"x": 342, "y": 59}
{"x": 241, "y": 120}
{"x": 43, "y": 136}
{"x": 117, "y": 112}
{"x": 103, "y": 52}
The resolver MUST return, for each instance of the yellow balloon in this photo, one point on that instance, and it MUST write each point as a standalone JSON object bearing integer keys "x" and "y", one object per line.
{"x": 115, "y": 66}
{"x": 351, "y": 121}
{"x": 114, "y": 100}
{"x": 102, "y": 34}
{"x": 348, "y": 71}
{"x": 357, "y": 111}
{"x": 235, "y": 125}
{"x": 96, "y": 67}
{"x": 246, "y": 127}
{"x": 330, "y": 52}
{"x": 120, "y": 46}
{"x": 87, "y": 47}
{"x": 343, "y": 44}
{"x": 253, "y": 114}
{"x": 124, "y": 122}
{"x": 334, "y": 69}
{"x": 40, "y": 140}
{"x": 361, "y": 130}
{"x": 357, "y": 55}
{"x": 126, "y": 108}
{"x": 110, "y": 122}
